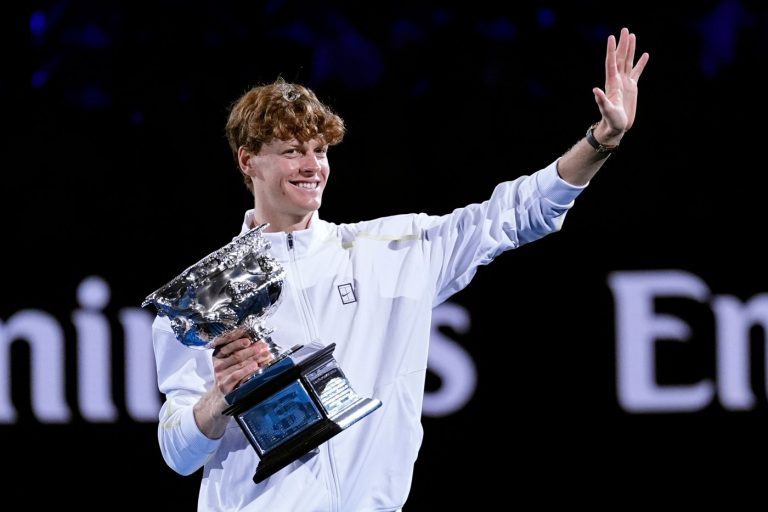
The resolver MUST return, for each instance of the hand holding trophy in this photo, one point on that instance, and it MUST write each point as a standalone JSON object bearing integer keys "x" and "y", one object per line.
{"x": 301, "y": 397}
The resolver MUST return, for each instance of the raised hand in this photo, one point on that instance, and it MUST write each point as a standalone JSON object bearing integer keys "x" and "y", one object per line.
{"x": 618, "y": 103}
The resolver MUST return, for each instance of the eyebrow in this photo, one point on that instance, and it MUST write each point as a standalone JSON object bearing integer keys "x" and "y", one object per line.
{"x": 296, "y": 144}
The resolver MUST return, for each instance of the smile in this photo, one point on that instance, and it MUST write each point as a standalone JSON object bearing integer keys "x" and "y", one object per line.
{"x": 306, "y": 185}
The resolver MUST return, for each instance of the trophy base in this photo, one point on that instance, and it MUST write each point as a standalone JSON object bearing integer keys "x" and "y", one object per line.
{"x": 296, "y": 404}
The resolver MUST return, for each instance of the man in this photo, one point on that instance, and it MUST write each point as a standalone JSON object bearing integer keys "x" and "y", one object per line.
{"x": 369, "y": 287}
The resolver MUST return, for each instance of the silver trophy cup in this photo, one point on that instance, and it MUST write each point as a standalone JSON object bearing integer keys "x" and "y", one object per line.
{"x": 301, "y": 398}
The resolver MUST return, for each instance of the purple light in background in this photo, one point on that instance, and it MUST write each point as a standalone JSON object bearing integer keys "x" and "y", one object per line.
{"x": 93, "y": 97}
{"x": 598, "y": 32}
{"x": 404, "y": 32}
{"x": 500, "y": 29}
{"x": 546, "y": 17}
{"x": 361, "y": 63}
{"x": 420, "y": 87}
{"x": 37, "y": 23}
{"x": 441, "y": 17}
{"x": 298, "y": 32}
{"x": 39, "y": 78}
{"x": 92, "y": 36}
{"x": 273, "y": 6}
{"x": 719, "y": 32}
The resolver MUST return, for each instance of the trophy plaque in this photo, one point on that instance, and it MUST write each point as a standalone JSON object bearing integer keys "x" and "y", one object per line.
{"x": 298, "y": 400}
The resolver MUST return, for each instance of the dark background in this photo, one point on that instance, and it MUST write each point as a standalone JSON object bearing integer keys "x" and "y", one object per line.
{"x": 115, "y": 165}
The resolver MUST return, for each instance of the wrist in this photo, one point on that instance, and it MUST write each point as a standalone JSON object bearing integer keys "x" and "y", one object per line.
{"x": 209, "y": 414}
{"x": 606, "y": 135}
{"x": 603, "y": 139}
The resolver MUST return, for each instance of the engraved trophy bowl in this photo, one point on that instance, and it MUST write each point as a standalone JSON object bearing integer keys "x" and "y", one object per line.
{"x": 237, "y": 285}
{"x": 298, "y": 400}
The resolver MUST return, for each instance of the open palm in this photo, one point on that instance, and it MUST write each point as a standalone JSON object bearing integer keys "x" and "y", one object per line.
{"x": 618, "y": 103}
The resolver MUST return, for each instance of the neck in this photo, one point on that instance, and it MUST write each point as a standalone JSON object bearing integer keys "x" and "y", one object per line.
{"x": 277, "y": 225}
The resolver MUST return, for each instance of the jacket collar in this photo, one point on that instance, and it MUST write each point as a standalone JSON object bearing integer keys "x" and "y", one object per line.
{"x": 303, "y": 240}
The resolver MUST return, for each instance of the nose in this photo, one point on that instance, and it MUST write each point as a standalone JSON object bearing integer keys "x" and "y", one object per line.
{"x": 310, "y": 163}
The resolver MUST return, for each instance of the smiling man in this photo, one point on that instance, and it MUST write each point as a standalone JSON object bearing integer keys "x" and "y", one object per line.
{"x": 283, "y": 156}
{"x": 369, "y": 287}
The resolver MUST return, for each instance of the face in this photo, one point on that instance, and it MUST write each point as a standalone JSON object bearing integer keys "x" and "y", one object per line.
{"x": 288, "y": 179}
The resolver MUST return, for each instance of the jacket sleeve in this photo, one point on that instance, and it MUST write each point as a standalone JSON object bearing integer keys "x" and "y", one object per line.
{"x": 518, "y": 212}
{"x": 183, "y": 375}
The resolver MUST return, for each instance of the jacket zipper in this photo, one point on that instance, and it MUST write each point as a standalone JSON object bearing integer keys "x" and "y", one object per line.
{"x": 301, "y": 296}
{"x": 333, "y": 490}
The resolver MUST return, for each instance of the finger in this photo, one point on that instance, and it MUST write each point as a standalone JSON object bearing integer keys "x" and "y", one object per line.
{"x": 242, "y": 375}
{"x": 261, "y": 346}
{"x": 224, "y": 367}
{"x": 228, "y": 336}
{"x": 621, "y": 50}
{"x": 630, "y": 54}
{"x": 639, "y": 67}
{"x": 231, "y": 347}
{"x": 264, "y": 357}
{"x": 610, "y": 59}
{"x": 263, "y": 353}
{"x": 252, "y": 352}
{"x": 600, "y": 98}
{"x": 236, "y": 375}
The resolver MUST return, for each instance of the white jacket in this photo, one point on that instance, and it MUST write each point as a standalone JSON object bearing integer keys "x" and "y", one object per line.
{"x": 370, "y": 288}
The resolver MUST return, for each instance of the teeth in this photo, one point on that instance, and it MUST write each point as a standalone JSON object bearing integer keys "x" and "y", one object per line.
{"x": 310, "y": 186}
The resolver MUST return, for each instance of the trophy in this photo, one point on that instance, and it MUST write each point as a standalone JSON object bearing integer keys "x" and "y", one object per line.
{"x": 299, "y": 399}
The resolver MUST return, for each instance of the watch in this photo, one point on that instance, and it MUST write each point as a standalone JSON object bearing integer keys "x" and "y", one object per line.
{"x": 600, "y": 148}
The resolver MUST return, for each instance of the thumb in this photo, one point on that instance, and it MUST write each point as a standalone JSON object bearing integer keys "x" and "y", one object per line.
{"x": 600, "y": 98}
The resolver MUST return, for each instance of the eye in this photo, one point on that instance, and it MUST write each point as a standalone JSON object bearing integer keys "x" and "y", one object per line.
{"x": 291, "y": 152}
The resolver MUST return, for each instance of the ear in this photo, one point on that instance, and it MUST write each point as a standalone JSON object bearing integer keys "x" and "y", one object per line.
{"x": 246, "y": 161}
